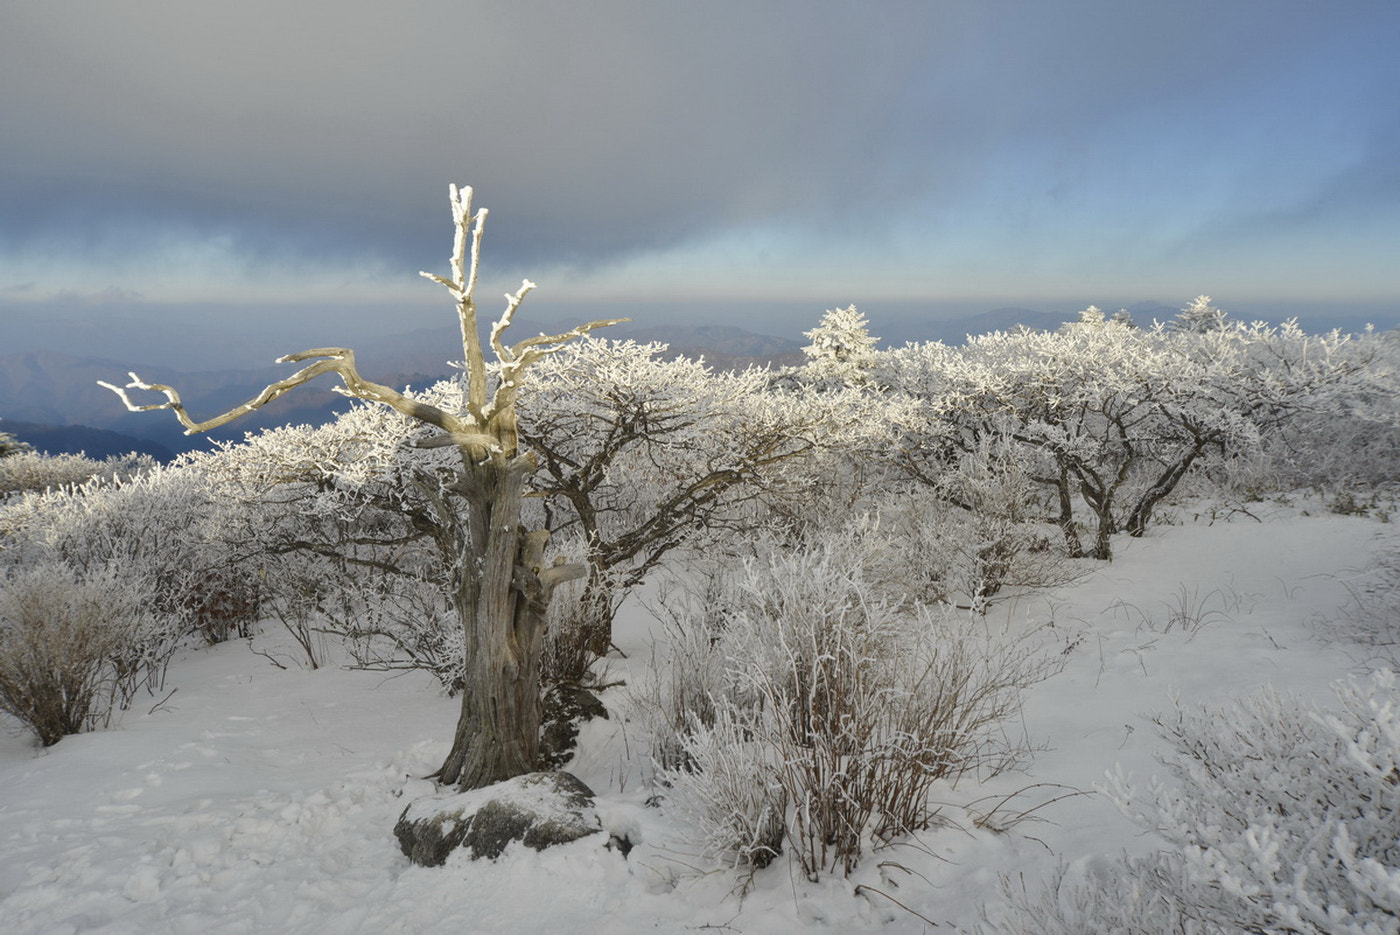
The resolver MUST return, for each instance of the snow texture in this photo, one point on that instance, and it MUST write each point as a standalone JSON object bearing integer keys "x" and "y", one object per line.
{"x": 259, "y": 800}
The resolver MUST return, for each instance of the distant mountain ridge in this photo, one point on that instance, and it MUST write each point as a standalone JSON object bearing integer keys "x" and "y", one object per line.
{"x": 83, "y": 439}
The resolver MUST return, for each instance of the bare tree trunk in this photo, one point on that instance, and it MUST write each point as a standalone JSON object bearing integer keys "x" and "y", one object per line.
{"x": 497, "y": 733}
{"x": 1098, "y": 494}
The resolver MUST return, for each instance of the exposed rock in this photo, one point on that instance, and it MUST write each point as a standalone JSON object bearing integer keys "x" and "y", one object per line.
{"x": 565, "y": 706}
{"x": 538, "y": 809}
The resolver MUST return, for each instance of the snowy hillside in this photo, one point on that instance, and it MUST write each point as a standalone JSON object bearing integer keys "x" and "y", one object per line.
{"x": 259, "y": 799}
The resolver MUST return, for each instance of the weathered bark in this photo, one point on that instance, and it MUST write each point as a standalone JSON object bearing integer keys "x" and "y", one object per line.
{"x": 502, "y": 603}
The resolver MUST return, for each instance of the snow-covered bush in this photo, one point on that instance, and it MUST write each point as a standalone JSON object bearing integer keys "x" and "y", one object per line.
{"x": 1282, "y": 817}
{"x": 728, "y": 788}
{"x": 1135, "y": 896}
{"x": 395, "y": 620}
{"x": 976, "y": 528}
{"x": 568, "y": 657}
{"x": 29, "y": 470}
{"x": 74, "y": 648}
{"x": 843, "y": 705}
{"x": 1343, "y": 435}
{"x": 166, "y": 526}
{"x": 339, "y": 518}
{"x": 9, "y": 445}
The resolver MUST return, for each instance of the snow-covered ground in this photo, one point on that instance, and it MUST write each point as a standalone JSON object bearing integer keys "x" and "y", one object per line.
{"x": 262, "y": 800}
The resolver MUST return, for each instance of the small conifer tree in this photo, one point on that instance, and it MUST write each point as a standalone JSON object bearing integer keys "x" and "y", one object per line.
{"x": 842, "y": 349}
{"x": 1200, "y": 317}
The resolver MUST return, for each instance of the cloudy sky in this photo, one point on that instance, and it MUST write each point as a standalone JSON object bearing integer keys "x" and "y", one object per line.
{"x": 295, "y": 154}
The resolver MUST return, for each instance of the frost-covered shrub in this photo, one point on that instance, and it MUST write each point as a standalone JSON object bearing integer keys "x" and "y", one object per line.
{"x": 75, "y": 648}
{"x": 935, "y": 551}
{"x": 337, "y": 521}
{"x": 567, "y": 656}
{"x": 729, "y": 789}
{"x": 9, "y": 445}
{"x": 1283, "y": 817}
{"x": 1337, "y": 422}
{"x": 1133, "y": 897}
{"x": 914, "y": 546}
{"x": 792, "y": 671}
{"x": 384, "y": 617}
{"x": 1327, "y": 450}
{"x": 167, "y": 526}
{"x": 397, "y": 621}
{"x": 29, "y": 470}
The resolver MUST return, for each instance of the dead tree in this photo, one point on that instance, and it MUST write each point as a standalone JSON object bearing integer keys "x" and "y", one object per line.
{"x": 500, "y": 583}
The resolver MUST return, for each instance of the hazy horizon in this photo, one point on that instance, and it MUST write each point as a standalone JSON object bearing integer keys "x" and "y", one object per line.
{"x": 759, "y": 159}
{"x": 214, "y": 337}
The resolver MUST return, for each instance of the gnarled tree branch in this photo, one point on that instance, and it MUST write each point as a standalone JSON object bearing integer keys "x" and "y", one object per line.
{"x": 337, "y": 360}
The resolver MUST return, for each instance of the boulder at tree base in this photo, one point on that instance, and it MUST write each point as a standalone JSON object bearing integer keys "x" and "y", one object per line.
{"x": 538, "y": 809}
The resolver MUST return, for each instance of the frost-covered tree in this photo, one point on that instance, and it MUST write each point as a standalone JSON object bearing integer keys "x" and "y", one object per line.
{"x": 1109, "y": 419}
{"x": 842, "y": 350}
{"x": 1199, "y": 317}
{"x": 639, "y": 454}
{"x": 343, "y": 520}
{"x": 1346, "y": 431}
{"x": 500, "y": 584}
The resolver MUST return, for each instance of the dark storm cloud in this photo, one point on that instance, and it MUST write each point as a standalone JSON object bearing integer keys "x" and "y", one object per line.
{"x": 592, "y": 127}
{"x": 593, "y": 130}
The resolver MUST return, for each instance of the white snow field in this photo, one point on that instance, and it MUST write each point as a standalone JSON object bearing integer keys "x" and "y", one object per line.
{"x": 262, "y": 800}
